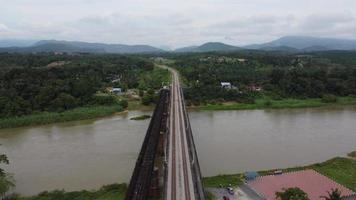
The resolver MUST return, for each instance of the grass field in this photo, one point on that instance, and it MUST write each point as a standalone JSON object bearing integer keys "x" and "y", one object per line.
{"x": 278, "y": 104}
{"x": 52, "y": 117}
{"x": 340, "y": 169}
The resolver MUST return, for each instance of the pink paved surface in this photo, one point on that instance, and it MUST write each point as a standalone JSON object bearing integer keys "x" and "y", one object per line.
{"x": 310, "y": 181}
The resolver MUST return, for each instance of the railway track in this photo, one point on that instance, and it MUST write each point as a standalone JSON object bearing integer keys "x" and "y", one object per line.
{"x": 180, "y": 177}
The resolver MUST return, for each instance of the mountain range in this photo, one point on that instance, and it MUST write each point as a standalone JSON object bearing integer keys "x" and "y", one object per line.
{"x": 286, "y": 44}
{"x": 86, "y": 47}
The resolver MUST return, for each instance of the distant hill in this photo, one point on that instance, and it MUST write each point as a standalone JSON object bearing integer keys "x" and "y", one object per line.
{"x": 208, "y": 47}
{"x": 16, "y": 43}
{"x": 280, "y": 48}
{"x": 85, "y": 47}
{"x": 308, "y": 43}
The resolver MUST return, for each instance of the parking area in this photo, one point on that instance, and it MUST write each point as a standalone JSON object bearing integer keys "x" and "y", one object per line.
{"x": 240, "y": 193}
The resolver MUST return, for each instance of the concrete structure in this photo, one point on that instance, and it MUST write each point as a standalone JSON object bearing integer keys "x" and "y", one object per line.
{"x": 310, "y": 181}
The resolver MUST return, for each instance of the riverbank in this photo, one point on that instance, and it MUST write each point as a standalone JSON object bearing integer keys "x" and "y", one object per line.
{"x": 340, "y": 169}
{"x": 107, "y": 192}
{"x": 279, "y": 104}
{"x": 53, "y": 117}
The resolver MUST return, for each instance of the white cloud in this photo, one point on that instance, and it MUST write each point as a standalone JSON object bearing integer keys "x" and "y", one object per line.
{"x": 175, "y": 22}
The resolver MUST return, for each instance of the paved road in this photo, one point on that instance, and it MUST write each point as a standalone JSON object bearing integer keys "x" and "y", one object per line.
{"x": 179, "y": 181}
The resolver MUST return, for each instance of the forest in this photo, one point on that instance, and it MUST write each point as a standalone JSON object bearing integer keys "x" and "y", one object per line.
{"x": 32, "y": 83}
{"x": 277, "y": 75}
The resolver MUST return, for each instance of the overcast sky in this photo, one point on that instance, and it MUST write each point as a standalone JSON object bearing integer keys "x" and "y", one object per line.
{"x": 176, "y": 23}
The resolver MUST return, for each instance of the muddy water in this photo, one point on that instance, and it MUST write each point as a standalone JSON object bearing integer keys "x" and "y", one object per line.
{"x": 87, "y": 154}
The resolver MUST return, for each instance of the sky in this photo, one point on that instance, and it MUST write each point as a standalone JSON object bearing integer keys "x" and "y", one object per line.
{"x": 176, "y": 23}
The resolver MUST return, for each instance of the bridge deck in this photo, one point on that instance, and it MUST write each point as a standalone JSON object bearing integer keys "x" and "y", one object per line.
{"x": 180, "y": 179}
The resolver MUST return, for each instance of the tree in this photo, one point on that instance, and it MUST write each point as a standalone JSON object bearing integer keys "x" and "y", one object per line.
{"x": 124, "y": 103}
{"x": 147, "y": 99}
{"x": 6, "y": 181}
{"x": 292, "y": 194}
{"x": 335, "y": 194}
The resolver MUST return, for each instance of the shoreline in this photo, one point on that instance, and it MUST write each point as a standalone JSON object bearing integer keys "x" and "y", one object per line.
{"x": 262, "y": 104}
{"x": 76, "y": 114}
{"x": 97, "y": 112}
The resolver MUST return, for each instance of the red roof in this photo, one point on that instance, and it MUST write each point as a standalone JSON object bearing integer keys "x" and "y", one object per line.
{"x": 310, "y": 181}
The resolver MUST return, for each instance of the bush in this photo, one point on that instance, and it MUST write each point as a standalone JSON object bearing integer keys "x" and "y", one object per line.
{"x": 352, "y": 154}
{"x": 104, "y": 100}
{"x": 267, "y": 102}
{"x": 328, "y": 98}
{"x": 124, "y": 103}
{"x": 147, "y": 99}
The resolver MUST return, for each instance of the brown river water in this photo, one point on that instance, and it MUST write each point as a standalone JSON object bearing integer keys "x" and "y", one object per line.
{"x": 90, "y": 153}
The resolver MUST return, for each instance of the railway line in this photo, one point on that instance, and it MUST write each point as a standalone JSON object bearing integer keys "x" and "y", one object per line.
{"x": 167, "y": 166}
{"x": 180, "y": 178}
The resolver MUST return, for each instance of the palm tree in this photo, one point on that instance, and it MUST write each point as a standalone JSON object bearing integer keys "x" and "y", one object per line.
{"x": 335, "y": 194}
{"x": 292, "y": 194}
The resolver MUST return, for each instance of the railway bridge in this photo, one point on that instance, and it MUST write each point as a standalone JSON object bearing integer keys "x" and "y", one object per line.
{"x": 167, "y": 166}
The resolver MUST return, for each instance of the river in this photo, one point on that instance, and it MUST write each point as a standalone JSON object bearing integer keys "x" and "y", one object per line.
{"x": 87, "y": 154}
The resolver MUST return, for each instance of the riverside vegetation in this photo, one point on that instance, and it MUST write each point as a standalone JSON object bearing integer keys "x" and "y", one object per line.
{"x": 267, "y": 79}
{"x": 340, "y": 169}
{"x": 46, "y": 88}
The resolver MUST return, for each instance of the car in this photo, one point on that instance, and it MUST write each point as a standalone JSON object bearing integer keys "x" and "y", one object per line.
{"x": 230, "y": 190}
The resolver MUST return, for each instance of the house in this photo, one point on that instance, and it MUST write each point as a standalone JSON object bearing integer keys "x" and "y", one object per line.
{"x": 226, "y": 85}
{"x": 116, "y": 91}
{"x": 241, "y": 60}
{"x": 310, "y": 181}
{"x": 254, "y": 88}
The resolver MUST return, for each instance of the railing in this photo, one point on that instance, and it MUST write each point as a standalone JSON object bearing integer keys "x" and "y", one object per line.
{"x": 140, "y": 183}
{"x": 197, "y": 177}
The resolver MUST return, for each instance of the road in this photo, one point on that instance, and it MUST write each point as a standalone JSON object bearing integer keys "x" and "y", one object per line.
{"x": 179, "y": 179}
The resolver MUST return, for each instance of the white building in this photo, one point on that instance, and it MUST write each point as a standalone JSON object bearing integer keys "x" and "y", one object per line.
{"x": 226, "y": 85}
{"x": 117, "y": 91}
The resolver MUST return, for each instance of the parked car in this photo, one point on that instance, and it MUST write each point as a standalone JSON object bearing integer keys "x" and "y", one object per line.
{"x": 230, "y": 190}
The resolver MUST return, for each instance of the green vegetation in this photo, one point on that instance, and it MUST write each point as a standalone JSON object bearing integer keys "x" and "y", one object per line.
{"x": 6, "y": 180}
{"x": 352, "y": 154}
{"x": 283, "y": 103}
{"x": 255, "y": 75}
{"x": 35, "y": 91}
{"x": 224, "y": 180}
{"x": 342, "y": 170}
{"x": 209, "y": 196}
{"x": 334, "y": 194}
{"x": 51, "y": 117}
{"x": 108, "y": 192}
{"x": 142, "y": 117}
{"x": 29, "y": 84}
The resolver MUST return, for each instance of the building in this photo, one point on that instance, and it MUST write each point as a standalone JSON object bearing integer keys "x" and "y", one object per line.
{"x": 116, "y": 91}
{"x": 255, "y": 88}
{"x": 310, "y": 181}
{"x": 226, "y": 85}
